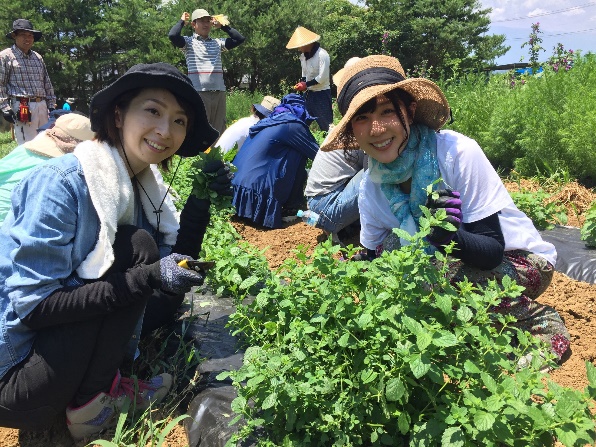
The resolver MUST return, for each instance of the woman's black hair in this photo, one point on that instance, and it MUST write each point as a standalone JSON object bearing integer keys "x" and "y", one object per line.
{"x": 109, "y": 133}
{"x": 396, "y": 96}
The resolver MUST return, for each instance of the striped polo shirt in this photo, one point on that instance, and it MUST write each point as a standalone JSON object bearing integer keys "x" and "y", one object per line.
{"x": 203, "y": 59}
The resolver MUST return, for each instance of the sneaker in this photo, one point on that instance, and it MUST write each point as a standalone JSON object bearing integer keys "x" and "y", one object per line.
{"x": 101, "y": 411}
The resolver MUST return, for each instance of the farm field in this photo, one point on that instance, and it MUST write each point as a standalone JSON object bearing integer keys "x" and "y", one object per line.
{"x": 575, "y": 300}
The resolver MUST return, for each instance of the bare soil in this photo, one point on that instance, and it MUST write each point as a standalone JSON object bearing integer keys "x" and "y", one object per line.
{"x": 575, "y": 301}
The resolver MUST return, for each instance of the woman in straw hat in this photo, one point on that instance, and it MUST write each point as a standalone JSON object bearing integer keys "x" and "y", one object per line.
{"x": 90, "y": 251}
{"x": 59, "y": 138}
{"x": 315, "y": 63}
{"x": 396, "y": 121}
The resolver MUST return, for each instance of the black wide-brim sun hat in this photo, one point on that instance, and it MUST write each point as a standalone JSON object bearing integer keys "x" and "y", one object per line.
{"x": 24, "y": 25}
{"x": 159, "y": 75}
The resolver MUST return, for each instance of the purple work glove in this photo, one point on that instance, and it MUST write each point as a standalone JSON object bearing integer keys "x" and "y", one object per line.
{"x": 451, "y": 203}
{"x": 176, "y": 279}
{"x": 222, "y": 184}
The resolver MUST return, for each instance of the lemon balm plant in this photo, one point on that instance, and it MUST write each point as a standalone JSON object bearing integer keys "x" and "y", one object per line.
{"x": 588, "y": 230}
{"x": 390, "y": 353}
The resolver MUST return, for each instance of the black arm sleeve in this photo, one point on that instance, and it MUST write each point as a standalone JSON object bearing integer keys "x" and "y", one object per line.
{"x": 194, "y": 220}
{"x": 71, "y": 304}
{"x": 480, "y": 244}
{"x": 174, "y": 34}
{"x": 312, "y": 82}
{"x": 235, "y": 38}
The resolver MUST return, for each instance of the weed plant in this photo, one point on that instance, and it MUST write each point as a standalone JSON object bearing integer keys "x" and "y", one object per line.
{"x": 588, "y": 230}
{"x": 239, "y": 102}
{"x": 535, "y": 127}
{"x": 240, "y": 269}
{"x": 164, "y": 351}
{"x": 390, "y": 353}
{"x": 544, "y": 215}
{"x": 6, "y": 144}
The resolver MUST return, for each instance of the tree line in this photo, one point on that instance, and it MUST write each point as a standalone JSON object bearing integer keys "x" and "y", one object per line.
{"x": 89, "y": 43}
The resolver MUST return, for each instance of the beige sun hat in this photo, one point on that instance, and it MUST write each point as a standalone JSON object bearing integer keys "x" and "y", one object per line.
{"x": 267, "y": 105}
{"x": 301, "y": 37}
{"x": 376, "y": 75}
{"x": 69, "y": 130}
{"x": 199, "y": 14}
{"x": 337, "y": 76}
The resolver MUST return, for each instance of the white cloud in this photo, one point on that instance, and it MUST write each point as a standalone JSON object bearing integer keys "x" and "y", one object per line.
{"x": 537, "y": 11}
{"x": 561, "y": 21}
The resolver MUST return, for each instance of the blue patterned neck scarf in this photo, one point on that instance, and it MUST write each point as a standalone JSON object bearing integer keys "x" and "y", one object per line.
{"x": 419, "y": 162}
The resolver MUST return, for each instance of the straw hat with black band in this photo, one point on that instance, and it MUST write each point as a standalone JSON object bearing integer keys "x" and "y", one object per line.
{"x": 376, "y": 75}
{"x": 166, "y": 76}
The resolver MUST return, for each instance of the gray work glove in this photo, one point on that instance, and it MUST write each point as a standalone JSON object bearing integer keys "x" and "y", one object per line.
{"x": 176, "y": 279}
{"x": 9, "y": 116}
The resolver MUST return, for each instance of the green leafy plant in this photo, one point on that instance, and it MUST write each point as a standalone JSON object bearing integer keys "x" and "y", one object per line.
{"x": 144, "y": 431}
{"x": 543, "y": 214}
{"x": 534, "y": 46}
{"x": 187, "y": 177}
{"x": 201, "y": 179}
{"x": 588, "y": 230}
{"x": 390, "y": 352}
{"x": 6, "y": 144}
{"x": 164, "y": 351}
{"x": 240, "y": 268}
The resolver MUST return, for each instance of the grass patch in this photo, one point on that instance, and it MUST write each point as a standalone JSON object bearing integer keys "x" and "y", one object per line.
{"x": 6, "y": 144}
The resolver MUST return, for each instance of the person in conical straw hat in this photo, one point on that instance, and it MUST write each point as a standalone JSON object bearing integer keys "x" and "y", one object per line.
{"x": 397, "y": 122}
{"x": 315, "y": 78}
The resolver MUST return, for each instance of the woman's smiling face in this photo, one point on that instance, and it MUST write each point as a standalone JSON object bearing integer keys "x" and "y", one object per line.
{"x": 380, "y": 133}
{"x": 152, "y": 128}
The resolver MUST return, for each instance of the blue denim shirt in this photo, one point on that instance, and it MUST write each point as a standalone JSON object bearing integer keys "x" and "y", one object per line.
{"x": 51, "y": 229}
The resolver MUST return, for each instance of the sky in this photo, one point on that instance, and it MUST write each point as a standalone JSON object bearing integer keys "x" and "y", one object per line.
{"x": 570, "y": 22}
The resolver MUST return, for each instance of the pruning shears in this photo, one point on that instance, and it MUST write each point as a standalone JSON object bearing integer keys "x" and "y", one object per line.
{"x": 197, "y": 266}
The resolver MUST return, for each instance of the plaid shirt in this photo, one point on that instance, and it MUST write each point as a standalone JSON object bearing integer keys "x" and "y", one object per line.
{"x": 24, "y": 75}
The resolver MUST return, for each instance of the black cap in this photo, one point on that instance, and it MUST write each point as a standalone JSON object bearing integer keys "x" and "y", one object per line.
{"x": 159, "y": 75}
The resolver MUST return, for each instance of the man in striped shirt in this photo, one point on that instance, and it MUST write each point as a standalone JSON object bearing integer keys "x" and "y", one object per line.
{"x": 203, "y": 59}
{"x": 26, "y": 92}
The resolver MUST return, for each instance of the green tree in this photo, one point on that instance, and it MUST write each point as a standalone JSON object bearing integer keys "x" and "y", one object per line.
{"x": 350, "y": 30}
{"x": 447, "y": 35}
{"x": 87, "y": 44}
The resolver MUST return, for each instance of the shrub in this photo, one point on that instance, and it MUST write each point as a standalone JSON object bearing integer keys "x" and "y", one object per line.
{"x": 588, "y": 231}
{"x": 391, "y": 353}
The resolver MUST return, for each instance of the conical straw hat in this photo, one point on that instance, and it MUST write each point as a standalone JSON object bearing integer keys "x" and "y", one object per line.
{"x": 302, "y": 37}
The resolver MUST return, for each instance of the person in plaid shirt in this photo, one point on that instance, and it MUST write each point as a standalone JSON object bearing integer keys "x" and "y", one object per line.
{"x": 26, "y": 92}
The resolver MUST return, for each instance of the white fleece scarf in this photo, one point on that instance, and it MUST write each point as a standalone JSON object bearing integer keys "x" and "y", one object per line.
{"x": 113, "y": 197}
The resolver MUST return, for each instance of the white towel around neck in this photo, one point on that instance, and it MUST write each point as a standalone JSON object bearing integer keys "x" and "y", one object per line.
{"x": 112, "y": 194}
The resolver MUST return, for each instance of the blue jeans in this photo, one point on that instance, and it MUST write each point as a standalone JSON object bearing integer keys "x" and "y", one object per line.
{"x": 339, "y": 208}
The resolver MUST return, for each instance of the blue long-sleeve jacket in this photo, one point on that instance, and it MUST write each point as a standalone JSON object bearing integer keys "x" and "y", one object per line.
{"x": 276, "y": 150}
